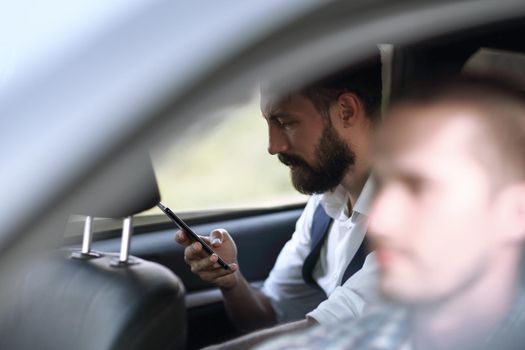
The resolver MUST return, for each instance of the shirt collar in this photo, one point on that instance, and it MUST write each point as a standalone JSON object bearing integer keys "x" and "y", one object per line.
{"x": 334, "y": 202}
{"x": 362, "y": 205}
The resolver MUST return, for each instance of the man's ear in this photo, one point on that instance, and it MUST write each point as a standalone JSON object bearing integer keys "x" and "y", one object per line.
{"x": 349, "y": 109}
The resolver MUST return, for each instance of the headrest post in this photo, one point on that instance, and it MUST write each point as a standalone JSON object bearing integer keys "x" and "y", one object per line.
{"x": 88, "y": 235}
{"x": 124, "y": 259}
{"x": 127, "y": 232}
{"x": 86, "y": 252}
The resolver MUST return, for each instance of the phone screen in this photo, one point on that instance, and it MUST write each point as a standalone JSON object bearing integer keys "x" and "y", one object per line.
{"x": 195, "y": 237}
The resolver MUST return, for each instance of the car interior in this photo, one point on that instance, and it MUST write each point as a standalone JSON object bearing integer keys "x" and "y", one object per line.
{"x": 260, "y": 234}
{"x": 119, "y": 281}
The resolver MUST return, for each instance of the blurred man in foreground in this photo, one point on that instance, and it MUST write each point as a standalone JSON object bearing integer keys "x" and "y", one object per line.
{"x": 448, "y": 224}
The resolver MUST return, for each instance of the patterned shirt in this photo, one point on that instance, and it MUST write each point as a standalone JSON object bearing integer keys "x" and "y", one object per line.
{"x": 389, "y": 327}
{"x": 384, "y": 329}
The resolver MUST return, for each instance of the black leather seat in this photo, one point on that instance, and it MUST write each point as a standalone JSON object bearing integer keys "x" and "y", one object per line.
{"x": 60, "y": 302}
{"x": 87, "y": 304}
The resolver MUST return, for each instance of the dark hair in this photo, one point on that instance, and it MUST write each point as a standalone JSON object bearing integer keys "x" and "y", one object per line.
{"x": 363, "y": 80}
{"x": 465, "y": 87}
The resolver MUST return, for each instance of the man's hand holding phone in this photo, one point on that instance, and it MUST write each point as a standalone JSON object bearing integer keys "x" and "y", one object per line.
{"x": 205, "y": 265}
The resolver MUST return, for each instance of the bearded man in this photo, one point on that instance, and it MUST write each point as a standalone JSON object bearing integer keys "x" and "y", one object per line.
{"x": 323, "y": 134}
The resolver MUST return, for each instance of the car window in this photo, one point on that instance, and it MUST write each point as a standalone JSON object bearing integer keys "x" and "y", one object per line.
{"x": 223, "y": 163}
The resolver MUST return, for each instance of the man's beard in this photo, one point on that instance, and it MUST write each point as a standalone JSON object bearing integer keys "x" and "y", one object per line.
{"x": 334, "y": 158}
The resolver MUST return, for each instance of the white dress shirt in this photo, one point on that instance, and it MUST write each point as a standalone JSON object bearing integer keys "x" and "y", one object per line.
{"x": 291, "y": 298}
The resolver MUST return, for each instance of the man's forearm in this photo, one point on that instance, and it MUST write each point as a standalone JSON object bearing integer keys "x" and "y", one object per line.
{"x": 248, "y": 308}
{"x": 252, "y": 339}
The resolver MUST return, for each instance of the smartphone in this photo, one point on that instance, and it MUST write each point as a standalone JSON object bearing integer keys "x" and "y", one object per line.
{"x": 193, "y": 236}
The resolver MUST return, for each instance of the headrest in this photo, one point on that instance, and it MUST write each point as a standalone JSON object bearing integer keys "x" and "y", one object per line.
{"x": 127, "y": 187}
{"x": 86, "y": 304}
{"x": 503, "y": 65}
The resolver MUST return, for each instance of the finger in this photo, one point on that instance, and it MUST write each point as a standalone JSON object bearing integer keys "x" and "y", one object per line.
{"x": 205, "y": 239}
{"x": 217, "y": 237}
{"x": 231, "y": 266}
{"x": 206, "y": 264}
{"x": 194, "y": 252}
{"x": 182, "y": 238}
{"x": 216, "y": 275}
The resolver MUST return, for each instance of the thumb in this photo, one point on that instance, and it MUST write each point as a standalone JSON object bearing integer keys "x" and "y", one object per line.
{"x": 217, "y": 237}
{"x": 181, "y": 238}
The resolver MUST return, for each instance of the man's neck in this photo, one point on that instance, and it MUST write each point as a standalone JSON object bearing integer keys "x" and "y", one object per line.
{"x": 353, "y": 184}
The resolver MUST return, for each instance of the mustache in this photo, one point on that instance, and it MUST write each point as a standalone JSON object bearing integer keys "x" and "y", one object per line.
{"x": 288, "y": 160}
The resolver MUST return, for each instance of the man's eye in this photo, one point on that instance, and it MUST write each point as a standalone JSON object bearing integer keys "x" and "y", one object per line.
{"x": 414, "y": 184}
{"x": 286, "y": 124}
{"x": 415, "y": 187}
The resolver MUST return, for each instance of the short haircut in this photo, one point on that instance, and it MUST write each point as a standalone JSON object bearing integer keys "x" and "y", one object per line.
{"x": 500, "y": 113}
{"x": 364, "y": 80}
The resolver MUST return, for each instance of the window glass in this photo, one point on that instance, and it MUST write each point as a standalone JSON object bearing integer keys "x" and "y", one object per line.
{"x": 224, "y": 163}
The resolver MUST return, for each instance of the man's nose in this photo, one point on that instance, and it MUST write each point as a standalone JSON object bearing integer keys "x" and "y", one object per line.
{"x": 277, "y": 142}
{"x": 387, "y": 213}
